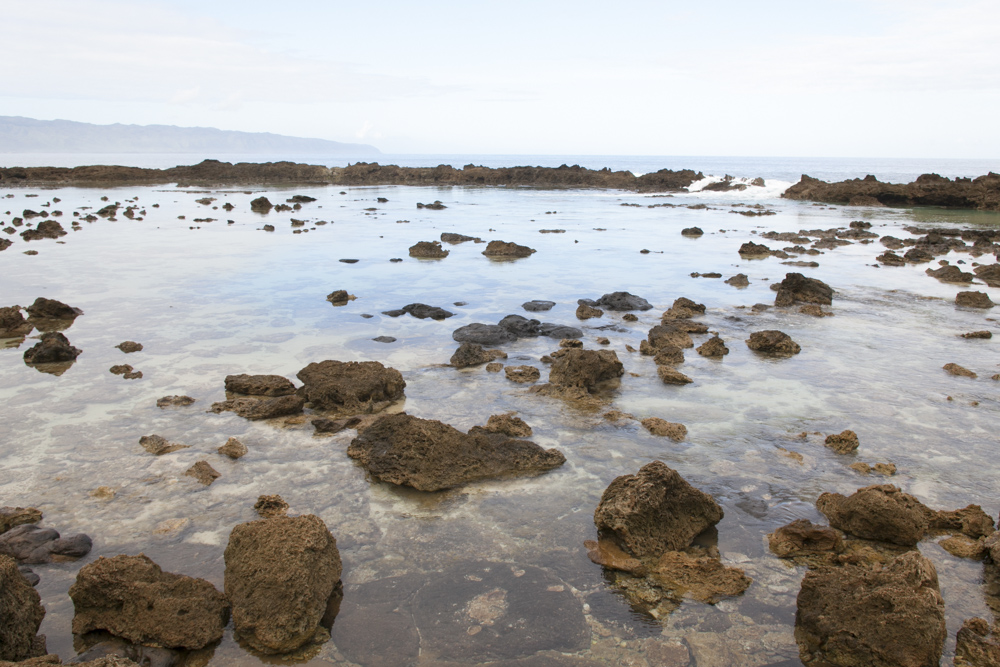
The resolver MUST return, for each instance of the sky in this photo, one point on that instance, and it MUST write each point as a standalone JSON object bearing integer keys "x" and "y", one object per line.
{"x": 878, "y": 78}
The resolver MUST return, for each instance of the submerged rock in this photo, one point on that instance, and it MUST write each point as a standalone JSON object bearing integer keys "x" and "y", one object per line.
{"x": 796, "y": 288}
{"x": 751, "y": 249}
{"x": 429, "y": 455}
{"x": 505, "y": 249}
{"x": 669, "y": 375}
{"x": 505, "y": 424}
{"x": 158, "y": 445}
{"x": 692, "y": 231}
{"x": 662, "y": 427}
{"x": 259, "y": 385}
{"x": 522, "y": 374}
{"x": 53, "y": 348}
{"x": 428, "y": 250}
{"x": 875, "y": 615}
{"x": 654, "y": 511}
{"x": 132, "y": 598}
{"x": 955, "y": 369}
{"x": 233, "y": 448}
{"x": 11, "y": 517}
{"x": 22, "y": 613}
{"x": 701, "y": 578}
{"x": 177, "y": 401}
{"x": 470, "y": 354}
{"x": 268, "y": 507}
{"x": 351, "y": 386}
{"x": 804, "y": 538}
{"x": 281, "y": 574}
{"x": 31, "y": 544}
{"x": 845, "y": 442}
{"x": 773, "y": 342}
{"x": 203, "y": 472}
{"x": 261, "y": 205}
{"x": 619, "y": 301}
{"x": 451, "y": 237}
{"x": 257, "y": 408}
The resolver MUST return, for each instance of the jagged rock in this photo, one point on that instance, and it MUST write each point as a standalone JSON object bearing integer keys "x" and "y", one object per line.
{"x": 665, "y": 355}
{"x": 714, "y": 348}
{"x": 970, "y": 520}
{"x": 692, "y": 231}
{"x": 129, "y": 346}
{"x": 683, "y": 308}
{"x": 619, "y": 301}
{"x": 233, "y": 448}
{"x": 352, "y": 386}
{"x": 887, "y": 469}
{"x": 120, "y": 369}
{"x": 54, "y": 347}
{"x": 429, "y": 455}
{"x": 505, "y": 424}
{"x": 11, "y": 517}
{"x": 703, "y": 578}
{"x": 880, "y": 512}
{"x": 845, "y": 442}
{"x": 259, "y": 385}
{"x": 669, "y": 375}
{"x": 470, "y": 354}
{"x": 46, "y": 229}
{"x": 666, "y": 335}
{"x": 12, "y": 323}
{"x": 585, "y": 368}
{"x": 178, "y": 401}
{"x": 989, "y": 274}
{"x": 662, "y": 427}
{"x": 22, "y": 613}
{"x": 978, "y": 334}
{"x": 804, "y": 538}
{"x": 268, "y": 507}
{"x": 876, "y": 615}
{"x": 974, "y": 300}
{"x": 917, "y": 256}
{"x": 132, "y": 598}
{"x": 739, "y": 280}
{"x": 955, "y": 369}
{"x": 654, "y": 511}
{"x": 483, "y": 334}
{"x": 158, "y": 445}
{"x": 536, "y": 306}
{"x": 889, "y": 258}
{"x": 522, "y": 327}
{"x": 608, "y": 554}
{"x": 203, "y": 472}
{"x": 504, "y": 249}
{"x": 773, "y": 342}
{"x": 280, "y": 576}
{"x": 950, "y": 274}
{"x": 961, "y": 546}
{"x": 421, "y": 311}
{"x": 751, "y": 249}
{"x": 450, "y": 237}
{"x": 32, "y": 545}
{"x": 796, "y": 288}
{"x": 977, "y": 644}
{"x": 257, "y": 408}
{"x": 340, "y": 297}
{"x": 261, "y": 205}
{"x": 585, "y": 312}
{"x": 522, "y": 374}
{"x": 428, "y": 250}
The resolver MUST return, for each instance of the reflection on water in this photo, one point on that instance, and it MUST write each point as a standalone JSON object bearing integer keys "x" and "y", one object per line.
{"x": 207, "y": 299}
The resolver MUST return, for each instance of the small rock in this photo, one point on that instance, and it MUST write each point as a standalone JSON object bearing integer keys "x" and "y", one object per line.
{"x": 714, "y": 348}
{"x": 233, "y": 448}
{"x": 977, "y": 644}
{"x": 53, "y": 348}
{"x": 129, "y": 346}
{"x": 978, "y": 334}
{"x": 739, "y": 280}
{"x": 384, "y": 339}
{"x": 536, "y": 306}
{"x": 773, "y": 342}
{"x": 340, "y": 297}
{"x": 804, "y": 538}
{"x": 177, "y": 401}
{"x": 692, "y": 231}
{"x": 522, "y": 374}
{"x": 203, "y": 472}
{"x": 507, "y": 424}
{"x": 270, "y": 506}
{"x": 845, "y": 442}
{"x": 662, "y": 427}
{"x": 494, "y": 367}
{"x": 470, "y": 354}
{"x": 428, "y": 250}
{"x": 157, "y": 445}
{"x": 11, "y": 517}
{"x": 502, "y": 249}
{"x": 584, "y": 312}
{"x": 955, "y": 369}
{"x": 31, "y": 544}
{"x": 973, "y": 300}
{"x": 259, "y": 385}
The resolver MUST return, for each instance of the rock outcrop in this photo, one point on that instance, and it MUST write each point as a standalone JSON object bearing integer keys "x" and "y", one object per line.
{"x": 351, "y": 386}
{"x": 845, "y": 442}
{"x": 22, "y": 613}
{"x": 428, "y": 250}
{"x": 974, "y": 300}
{"x": 982, "y": 193}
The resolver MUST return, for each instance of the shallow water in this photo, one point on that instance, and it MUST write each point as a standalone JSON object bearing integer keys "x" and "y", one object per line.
{"x": 221, "y": 299}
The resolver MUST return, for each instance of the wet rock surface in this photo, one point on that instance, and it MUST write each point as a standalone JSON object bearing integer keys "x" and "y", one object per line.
{"x": 33, "y": 545}
{"x": 961, "y": 371}
{"x": 506, "y": 424}
{"x": 259, "y": 385}
{"x": 421, "y": 311}
{"x": 429, "y": 455}
{"x": 510, "y": 329}
{"x": 537, "y": 306}
{"x": 132, "y": 598}
{"x": 428, "y": 250}
{"x": 203, "y": 472}
{"x": 977, "y": 644}
{"x": 714, "y": 348}
{"x": 453, "y": 238}
{"x": 54, "y": 347}
{"x": 483, "y": 334}
{"x": 470, "y": 354}
{"x": 662, "y": 427}
{"x": 739, "y": 280}
{"x": 619, "y": 301}
{"x": 845, "y": 442}
{"x": 22, "y": 613}
{"x": 881, "y": 512}
{"x": 670, "y": 375}
{"x": 281, "y": 573}
{"x": 12, "y": 322}
{"x": 796, "y": 288}
{"x": 751, "y": 250}
{"x": 17, "y": 516}
{"x": 772, "y": 342}
{"x": 880, "y": 615}
{"x": 352, "y": 386}
{"x": 158, "y": 445}
{"x": 585, "y": 369}
{"x": 507, "y": 249}
{"x": 804, "y": 538}
{"x": 522, "y": 374}
{"x": 974, "y": 300}
{"x": 233, "y": 448}
{"x": 257, "y": 408}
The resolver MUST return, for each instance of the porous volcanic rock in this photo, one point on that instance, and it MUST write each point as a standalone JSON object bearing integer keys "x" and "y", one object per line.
{"x": 804, "y": 538}
{"x": 796, "y": 288}
{"x": 428, "y": 250}
{"x": 129, "y": 346}
{"x": 451, "y": 237}
{"x": 701, "y": 578}
{"x": 259, "y": 385}
{"x": 977, "y": 644}
{"x": 876, "y": 615}
{"x": 233, "y": 448}
{"x": 974, "y": 300}
{"x": 881, "y": 512}
{"x": 340, "y": 297}
{"x": 585, "y": 368}
{"x": 950, "y": 274}
{"x": 268, "y": 507}
{"x": 505, "y": 249}
{"x": 585, "y": 312}
{"x": 429, "y": 455}
{"x": 670, "y": 375}
{"x": 989, "y": 274}
{"x": 256, "y": 408}
{"x": 18, "y": 516}
{"x": 845, "y": 442}
{"x": 54, "y": 347}
{"x": 281, "y": 573}
{"x": 654, "y": 511}
{"x": 12, "y": 322}
{"x": 889, "y": 258}
{"x": 203, "y": 472}
{"x": 773, "y": 342}
{"x": 33, "y": 545}
{"x": 22, "y": 613}
{"x": 351, "y": 386}
{"x": 961, "y": 371}
{"x": 979, "y": 334}
{"x": 261, "y": 205}
{"x": 608, "y": 554}
{"x": 683, "y": 308}
{"x": 132, "y": 598}
{"x": 662, "y": 427}
{"x": 522, "y": 374}
{"x": 714, "y": 348}
{"x": 739, "y": 280}
{"x": 665, "y": 335}
{"x": 751, "y": 249}
{"x": 506, "y": 424}
{"x": 470, "y": 354}
{"x": 619, "y": 301}
{"x": 522, "y": 327}
{"x": 46, "y": 229}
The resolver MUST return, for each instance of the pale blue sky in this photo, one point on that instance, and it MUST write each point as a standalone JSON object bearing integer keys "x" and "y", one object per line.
{"x": 883, "y": 78}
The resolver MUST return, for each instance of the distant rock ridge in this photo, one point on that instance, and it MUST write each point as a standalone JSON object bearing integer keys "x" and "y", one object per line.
{"x": 981, "y": 193}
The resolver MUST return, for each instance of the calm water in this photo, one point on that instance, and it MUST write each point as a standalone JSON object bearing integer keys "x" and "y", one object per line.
{"x": 223, "y": 299}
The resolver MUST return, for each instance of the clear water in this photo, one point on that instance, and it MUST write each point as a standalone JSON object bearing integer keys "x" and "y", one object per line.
{"x": 221, "y": 299}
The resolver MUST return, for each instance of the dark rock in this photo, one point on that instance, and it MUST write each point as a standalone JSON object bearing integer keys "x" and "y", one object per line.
{"x": 470, "y": 354}
{"x": 585, "y": 369}
{"x": 714, "y": 348}
{"x": 132, "y": 598}
{"x": 436, "y": 206}
{"x": 666, "y": 335}
{"x": 331, "y": 426}
{"x": 989, "y": 274}
{"x": 692, "y": 231}
{"x": 53, "y": 348}
{"x": 428, "y": 250}
{"x": 11, "y": 517}
{"x": 536, "y": 306}
{"x": 22, "y": 613}
{"x": 889, "y": 258}
{"x": 421, "y": 311}
{"x": 977, "y": 644}
{"x": 889, "y": 615}
{"x": 268, "y": 228}
{"x": 505, "y": 424}
{"x": 751, "y": 249}
{"x": 796, "y": 288}
{"x": 845, "y": 442}
{"x": 585, "y": 312}
{"x": 483, "y": 334}
{"x": 352, "y": 386}
{"x": 50, "y": 309}
{"x": 178, "y": 401}
{"x": 880, "y": 512}
{"x": 521, "y": 327}
{"x": 259, "y": 385}
{"x": 974, "y": 300}
{"x": 505, "y": 249}
{"x": 268, "y": 507}
{"x": 429, "y": 455}
{"x": 302, "y": 199}
{"x": 384, "y": 339}
{"x": 683, "y": 308}
{"x": 739, "y": 280}
{"x": 254, "y": 408}
{"x": 711, "y": 274}
{"x": 129, "y": 346}
{"x": 13, "y": 324}
{"x": 121, "y": 369}
{"x": 927, "y": 190}
{"x": 280, "y": 576}
{"x": 158, "y": 445}
{"x": 701, "y": 578}
{"x": 449, "y": 237}
{"x": 340, "y": 297}
{"x": 620, "y": 301}
{"x": 233, "y": 448}
{"x": 978, "y": 334}
{"x": 654, "y": 511}
{"x": 804, "y": 538}
{"x": 950, "y": 274}
{"x": 46, "y": 229}
{"x": 773, "y": 342}
{"x": 203, "y": 472}
{"x": 261, "y": 205}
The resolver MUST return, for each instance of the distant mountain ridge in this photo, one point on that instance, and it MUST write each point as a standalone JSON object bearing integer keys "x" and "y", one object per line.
{"x": 27, "y": 135}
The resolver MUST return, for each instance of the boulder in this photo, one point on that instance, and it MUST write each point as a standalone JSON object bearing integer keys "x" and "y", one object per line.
{"x": 714, "y": 348}
{"x": 701, "y": 578}
{"x": 989, "y": 274}
{"x": 429, "y": 455}
{"x": 751, "y": 249}
{"x": 662, "y": 427}
{"x": 961, "y": 371}
{"x": 129, "y": 346}
{"x": 654, "y": 511}
{"x": 259, "y": 385}
{"x": 281, "y": 574}
{"x": 974, "y": 300}
{"x": 666, "y": 355}
{"x": 351, "y": 386}
{"x": 970, "y": 521}
{"x": 504, "y": 249}
{"x": 796, "y": 288}
{"x": 483, "y": 334}
{"x": 428, "y": 250}
{"x": 771, "y": 342}
{"x": 11, "y": 517}
{"x": 257, "y": 408}
{"x": 619, "y": 301}
{"x": 876, "y": 615}
{"x": 880, "y": 512}
{"x": 132, "y": 598}
{"x": 977, "y": 644}
{"x": 950, "y": 274}
{"x": 53, "y": 348}
{"x": 608, "y": 554}
{"x": 268, "y": 507}
{"x": 667, "y": 335}
{"x": 32, "y": 545}
{"x": 585, "y": 312}
{"x": 470, "y": 354}
{"x": 340, "y": 297}
{"x": 585, "y": 368}
{"x": 46, "y": 229}
{"x": 22, "y": 613}
{"x": 804, "y": 538}
{"x": 845, "y": 442}
{"x": 889, "y": 258}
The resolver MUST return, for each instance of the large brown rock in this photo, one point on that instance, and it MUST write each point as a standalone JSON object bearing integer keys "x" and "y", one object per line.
{"x": 281, "y": 573}
{"x": 881, "y": 512}
{"x": 927, "y": 190}
{"x": 351, "y": 386}
{"x": 21, "y": 614}
{"x": 50, "y": 309}
{"x": 53, "y": 348}
{"x": 429, "y": 455}
{"x": 796, "y": 288}
{"x": 974, "y": 300}
{"x": 585, "y": 368}
{"x": 507, "y": 249}
{"x": 977, "y": 644}
{"x": 654, "y": 511}
{"x": 877, "y": 615}
{"x": 259, "y": 385}
{"x": 132, "y": 598}
{"x": 773, "y": 342}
